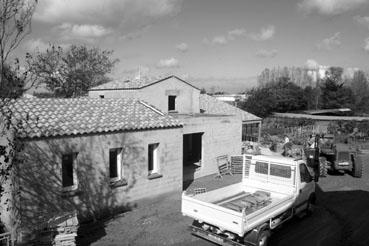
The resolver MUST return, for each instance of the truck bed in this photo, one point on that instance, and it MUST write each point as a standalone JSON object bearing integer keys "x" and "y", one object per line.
{"x": 247, "y": 201}
{"x": 236, "y": 208}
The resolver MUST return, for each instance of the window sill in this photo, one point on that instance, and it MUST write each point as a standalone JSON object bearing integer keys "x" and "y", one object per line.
{"x": 70, "y": 192}
{"x": 154, "y": 176}
{"x": 172, "y": 111}
{"x": 118, "y": 183}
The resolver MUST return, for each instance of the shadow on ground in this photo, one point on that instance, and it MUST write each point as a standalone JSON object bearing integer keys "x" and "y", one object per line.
{"x": 340, "y": 219}
{"x": 92, "y": 231}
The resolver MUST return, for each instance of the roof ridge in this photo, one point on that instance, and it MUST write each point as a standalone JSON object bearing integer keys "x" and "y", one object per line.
{"x": 151, "y": 107}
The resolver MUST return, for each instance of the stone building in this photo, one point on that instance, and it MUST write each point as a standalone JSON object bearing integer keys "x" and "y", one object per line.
{"x": 125, "y": 142}
{"x": 210, "y": 127}
{"x": 90, "y": 155}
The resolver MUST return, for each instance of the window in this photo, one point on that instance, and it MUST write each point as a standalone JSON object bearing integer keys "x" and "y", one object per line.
{"x": 280, "y": 171}
{"x": 250, "y": 132}
{"x": 69, "y": 176}
{"x": 153, "y": 163}
{"x": 304, "y": 174}
{"x": 171, "y": 103}
{"x": 115, "y": 164}
{"x": 261, "y": 167}
{"x": 102, "y": 96}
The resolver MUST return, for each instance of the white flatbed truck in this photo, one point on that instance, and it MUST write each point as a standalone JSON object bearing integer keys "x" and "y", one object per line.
{"x": 273, "y": 189}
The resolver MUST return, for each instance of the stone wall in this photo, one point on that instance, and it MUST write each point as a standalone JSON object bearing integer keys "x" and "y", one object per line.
{"x": 221, "y": 136}
{"x": 42, "y": 196}
{"x": 187, "y": 97}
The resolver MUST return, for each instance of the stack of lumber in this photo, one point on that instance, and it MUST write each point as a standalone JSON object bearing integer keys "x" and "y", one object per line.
{"x": 59, "y": 231}
{"x": 248, "y": 201}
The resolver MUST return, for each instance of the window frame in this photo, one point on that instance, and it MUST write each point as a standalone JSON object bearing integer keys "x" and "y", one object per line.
{"x": 119, "y": 164}
{"x": 74, "y": 186}
{"x": 172, "y": 104}
{"x": 155, "y": 171}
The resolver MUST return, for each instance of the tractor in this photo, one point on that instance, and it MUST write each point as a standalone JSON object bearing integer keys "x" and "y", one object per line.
{"x": 328, "y": 155}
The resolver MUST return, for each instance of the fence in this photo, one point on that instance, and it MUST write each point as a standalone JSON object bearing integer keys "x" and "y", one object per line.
{"x": 6, "y": 239}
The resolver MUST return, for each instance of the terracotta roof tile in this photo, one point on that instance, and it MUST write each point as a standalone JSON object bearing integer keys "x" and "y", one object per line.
{"x": 211, "y": 105}
{"x": 58, "y": 117}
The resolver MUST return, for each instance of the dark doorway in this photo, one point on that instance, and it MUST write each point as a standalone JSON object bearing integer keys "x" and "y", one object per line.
{"x": 171, "y": 103}
{"x": 192, "y": 154}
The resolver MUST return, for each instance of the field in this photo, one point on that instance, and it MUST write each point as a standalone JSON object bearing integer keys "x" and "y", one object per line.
{"x": 340, "y": 218}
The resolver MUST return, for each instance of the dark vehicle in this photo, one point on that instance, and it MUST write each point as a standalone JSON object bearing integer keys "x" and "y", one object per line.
{"x": 328, "y": 155}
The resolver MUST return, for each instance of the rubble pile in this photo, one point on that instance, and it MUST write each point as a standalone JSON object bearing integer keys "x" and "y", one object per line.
{"x": 60, "y": 231}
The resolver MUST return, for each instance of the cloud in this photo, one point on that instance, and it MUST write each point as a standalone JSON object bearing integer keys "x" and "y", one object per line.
{"x": 217, "y": 40}
{"x": 135, "y": 34}
{"x": 35, "y": 44}
{"x": 330, "y": 42}
{"x": 330, "y": 7}
{"x": 235, "y": 33}
{"x": 98, "y": 18}
{"x": 266, "y": 53}
{"x": 70, "y": 31}
{"x": 265, "y": 33}
{"x": 363, "y": 20}
{"x": 220, "y": 40}
{"x": 366, "y": 45}
{"x": 182, "y": 47}
{"x": 312, "y": 64}
{"x": 168, "y": 63}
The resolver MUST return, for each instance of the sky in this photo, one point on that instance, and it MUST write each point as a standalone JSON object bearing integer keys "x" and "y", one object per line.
{"x": 208, "y": 38}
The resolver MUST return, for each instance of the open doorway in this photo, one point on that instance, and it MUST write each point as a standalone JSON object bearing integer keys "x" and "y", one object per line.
{"x": 192, "y": 155}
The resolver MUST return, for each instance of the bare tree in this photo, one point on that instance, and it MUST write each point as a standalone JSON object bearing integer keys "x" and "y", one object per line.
{"x": 15, "y": 25}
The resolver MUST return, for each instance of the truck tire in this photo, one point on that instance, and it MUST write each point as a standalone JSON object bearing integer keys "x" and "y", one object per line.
{"x": 357, "y": 167}
{"x": 263, "y": 238}
{"x": 323, "y": 169}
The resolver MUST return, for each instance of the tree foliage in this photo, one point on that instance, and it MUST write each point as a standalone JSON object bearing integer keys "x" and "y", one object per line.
{"x": 334, "y": 94}
{"x": 280, "y": 96}
{"x": 72, "y": 71}
{"x": 15, "y": 25}
{"x": 336, "y": 89}
{"x": 360, "y": 90}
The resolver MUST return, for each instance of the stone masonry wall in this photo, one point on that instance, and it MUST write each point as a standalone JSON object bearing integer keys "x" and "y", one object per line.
{"x": 222, "y": 136}
{"x": 41, "y": 194}
{"x": 187, "y": 97}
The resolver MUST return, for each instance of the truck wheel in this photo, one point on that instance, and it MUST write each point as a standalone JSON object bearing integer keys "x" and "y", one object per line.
{"x": 263, "y": 238}
{"x": 357, "y": 167}
{"x": 323, "y": 169}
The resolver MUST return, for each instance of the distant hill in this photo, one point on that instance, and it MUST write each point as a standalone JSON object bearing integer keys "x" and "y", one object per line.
{"x": 227, "y": 85}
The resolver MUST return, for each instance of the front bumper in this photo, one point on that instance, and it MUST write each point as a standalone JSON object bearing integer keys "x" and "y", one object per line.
{"x": 213, "y": 237}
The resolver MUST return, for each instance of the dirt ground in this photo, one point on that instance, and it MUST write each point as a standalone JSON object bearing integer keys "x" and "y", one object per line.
{"x": 340, "y": 218}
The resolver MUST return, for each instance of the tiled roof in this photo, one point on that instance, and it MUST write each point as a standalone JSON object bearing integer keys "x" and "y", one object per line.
{"x": 58, "y": 117}
{"x": 132, "y": 84}
{"x": 211, "y": 105}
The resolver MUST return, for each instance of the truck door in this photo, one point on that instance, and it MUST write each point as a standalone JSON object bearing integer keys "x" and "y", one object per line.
{"x": 306, "y": 187}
